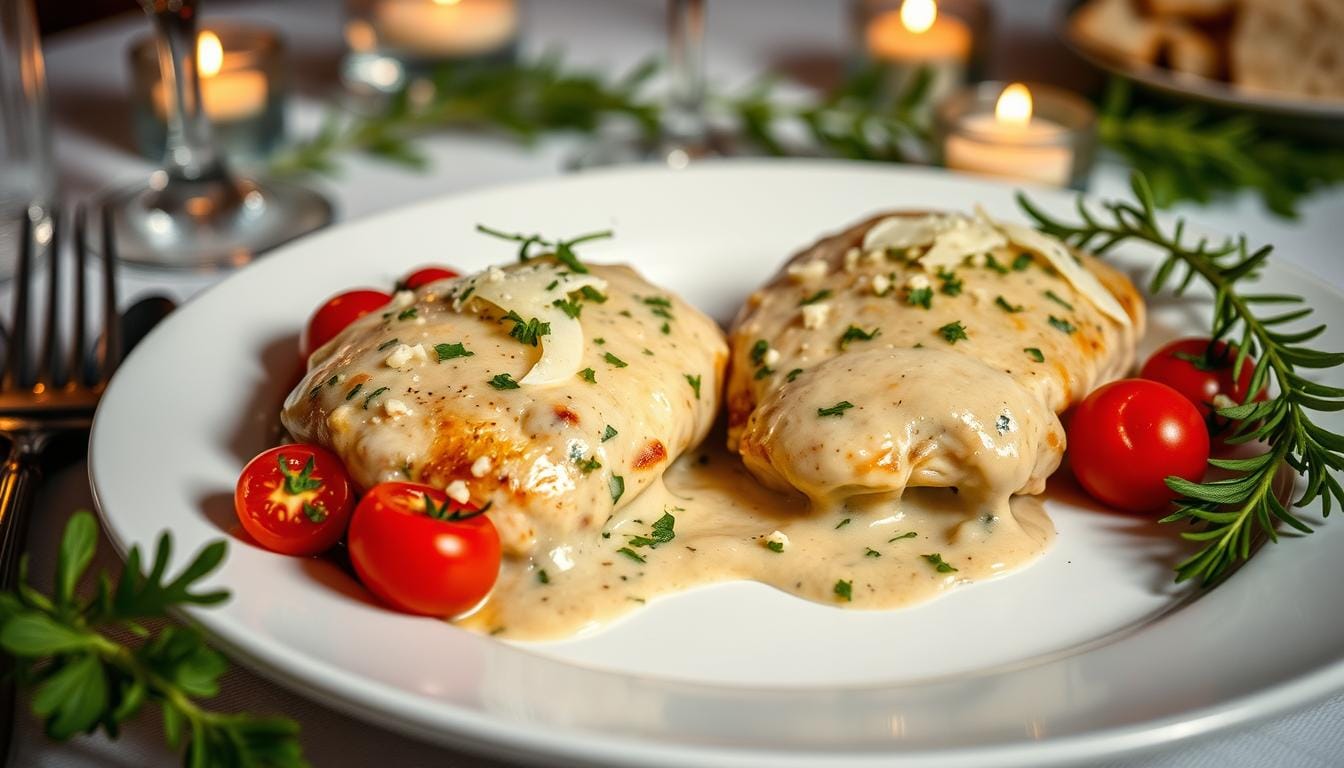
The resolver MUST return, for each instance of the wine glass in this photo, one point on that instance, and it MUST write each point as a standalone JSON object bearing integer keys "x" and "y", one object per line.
{"x": 684, "y": 133}
{"x": 195, "y": 213}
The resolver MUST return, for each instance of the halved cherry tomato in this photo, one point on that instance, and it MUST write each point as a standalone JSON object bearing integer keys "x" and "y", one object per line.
{"x": 1128, "y": 436}
{"x": 294, "y": 499}
{"x": 1201, "y": 370}
{"x": 420, "y": 552}
{"x": 336, "y": 313}
{"x": 425, "y": 276}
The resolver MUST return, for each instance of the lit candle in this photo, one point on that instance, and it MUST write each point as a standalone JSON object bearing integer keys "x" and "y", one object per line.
{"x": 1012, "y": 142}
{"x": 917, "y": 37}
{"x": 231, "y": 88}
{"x": 443, "y": 29}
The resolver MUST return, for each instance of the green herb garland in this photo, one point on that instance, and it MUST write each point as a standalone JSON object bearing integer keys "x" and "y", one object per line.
{"x": 1230, "y": 514}
{"x": 85, "y": 680}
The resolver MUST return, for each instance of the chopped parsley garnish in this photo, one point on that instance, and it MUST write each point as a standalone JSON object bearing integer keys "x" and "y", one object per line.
{"x": 614, "y": 360}
{"x": 661, "y": 533}
{"x": 570, "y": 307}
{"x": 1003, "y": 304}
{"x": 758, "y": 351}
{"x": 527, "y": 332}
{"x": 835, "y": 410}
{"x": 822, "y": 295}
{"x": 1051, "y": 295}
{"x": 906, "y": 535}
{"x": 694, "y": 381}
{"x": 589, "y": 293}
{"x": 658, "y": 301}
{"x": 551, "y": 285}
{"x": 842, "y": 524}
{"x": 617, "y": 487}
{"x": 450, "y": 351}
{"x": 793, "y": 374}
{"x": 503, "y": 381}
{"x": 301, "y": 481}
{"x": 855, "y": 333}
{"x": 408, "y": 313}
{"x": 354, "y": 391}
{"x": 763, "y": 371}
{"x": 953, "y": 332}
{"x": 587, "y": 465}
{"x": 775, "y": 546}
{"x": 609, "y": 433}
{"x": 936, "y": 560}
{"x": 588, "y": 375}
{"x": 1035, "y": 354}
{"x": 372, "y": 395}
{"x": 1022, "y": 261}
{"x": 315, "y": 513}
{"x": 1062, "y": 325}
{"x": 844, "y": 590}
{"x": 951, "y": 283}
{"x": 599, "y": 341}
{"x": 632, "y": 554}
{"x": 466, "y": 294}
{"x": 920, "y": 297}
{"x": 388, "y": 343}
{"x": 870, "y": 552}
{"x": 993, "y": 264}
{"x": 542, "y": 577}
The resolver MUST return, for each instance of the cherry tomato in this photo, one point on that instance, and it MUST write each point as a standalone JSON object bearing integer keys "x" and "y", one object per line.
{"x": 425, "y": 276}
{"x": 336, "y": 313}
{"x": 1201, "y": 370}
{"x": 1128, "y": 436}
{"x": 294, "y": 499}
{"x": 420, "y": 552}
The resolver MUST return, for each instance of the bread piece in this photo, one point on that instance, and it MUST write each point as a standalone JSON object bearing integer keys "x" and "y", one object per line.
{"x": 1188, "y": 51}
{"x": 1289, "y": 47}
{"x": 1203, "y": 10}
{"x": 1115, "y": 29}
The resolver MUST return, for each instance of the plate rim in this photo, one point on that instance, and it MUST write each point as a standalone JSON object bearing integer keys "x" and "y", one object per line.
{"x": 478, "y": 732}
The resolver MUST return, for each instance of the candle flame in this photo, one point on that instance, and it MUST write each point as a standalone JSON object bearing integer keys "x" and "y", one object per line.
{"x": 209, "y": 54}
{"x": 918, "y": 15}
{"x": 1014, "y": 105}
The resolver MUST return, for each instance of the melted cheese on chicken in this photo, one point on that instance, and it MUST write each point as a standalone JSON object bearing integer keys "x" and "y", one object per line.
{"x": 436, "y": 389}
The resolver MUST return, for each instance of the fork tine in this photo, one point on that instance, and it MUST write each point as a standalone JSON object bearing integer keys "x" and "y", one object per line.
{"x": 49, "y": 364}
{"x": 78, "y": 309}
{"x": 16, "y": 354}
{"x": 110, "y": 355}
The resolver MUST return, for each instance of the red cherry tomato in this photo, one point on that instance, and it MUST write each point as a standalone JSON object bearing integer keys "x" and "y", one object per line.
{"x": 294, "y": 499}
{"x": 336, "y": 313}
{"x": 420, "y": 552}
{"x": 1128, "y": 436}
{"x": 1201, "y": 370}
{"x": 425, "y": 276}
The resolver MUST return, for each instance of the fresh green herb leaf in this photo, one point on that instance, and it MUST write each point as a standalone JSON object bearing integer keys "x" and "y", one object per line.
{"x": 1055, "y": 297}
{"x": 953, "y": 332}
{"x": 408, "y": 313}
{"x": 614, "y": 361}
{"x": 632, "y": 554}
{"x": 451, "y": 351}
{"x": 774, "y": 546}
{"x": 835, "y": 410}
{"x": 1035, "y": 354}
{"x": 372, "y": 395}
{"x": 1022, "y": 261}
{"x": 609, "y": 433}
{"x": 694, "y": 381}
{"x": 616, "y": 484}
{"x": 951, "y": 283}
{"x": 993, "y": 264}
{"x": 842, "y": 524}
{"x": 388, "y": 343}
{"x": 844, "y": 590}
{"x": 542, "y": 576}
{"x": 821, "y": 295}
{"x": 920, "y": 297}
{"x": 589, "y": 293}
{"x": 503, "y": 381}
{"x": 1003, "y": 304}
{"x": 854, "y": 333}
{"x": 354, "y": 391}
{"x": 1062, "y": 325}
{"x": 906, "y": 535}
{"x": 758, "y": 351}
{"x": 588, "y": 375}
{"x": 870, "y": 552}
{"x": 588, "y": 465}
{"x": 936, "y": 560}
{"x": 527, "y": 332}
{"x": 570, "y": 307}
{"x": 793, "y": 374}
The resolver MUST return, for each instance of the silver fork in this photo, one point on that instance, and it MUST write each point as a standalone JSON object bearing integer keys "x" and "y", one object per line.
{"x": 45, "y": 392}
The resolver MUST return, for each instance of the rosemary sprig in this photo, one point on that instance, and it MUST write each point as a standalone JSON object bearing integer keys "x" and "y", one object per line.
{"x": 1230, "y": 514}
{"x": 1186, "y": 154}
{"x": 85, "y": 679}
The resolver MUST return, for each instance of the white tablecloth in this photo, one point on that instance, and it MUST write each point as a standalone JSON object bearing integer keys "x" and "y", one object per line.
{"x": 88, "y": 79}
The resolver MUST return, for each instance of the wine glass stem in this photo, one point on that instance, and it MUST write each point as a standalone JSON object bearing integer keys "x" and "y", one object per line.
{"x": 685, "y": 120}
{"x": 191, "y": 153}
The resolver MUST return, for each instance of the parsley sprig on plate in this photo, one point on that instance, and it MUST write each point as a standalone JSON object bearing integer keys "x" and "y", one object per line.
{"x": 1231, "y": 513}
{"x": 84, "y": 679}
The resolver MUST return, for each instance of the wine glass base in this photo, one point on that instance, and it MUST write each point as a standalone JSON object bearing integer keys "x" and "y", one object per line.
{"x": 209, "y": 225}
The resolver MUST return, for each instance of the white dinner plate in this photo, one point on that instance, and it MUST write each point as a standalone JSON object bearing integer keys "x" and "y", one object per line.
{"x": 1091, "y": 651}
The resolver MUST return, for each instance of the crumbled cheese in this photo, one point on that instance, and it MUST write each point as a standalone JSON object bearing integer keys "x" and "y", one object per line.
{"x": 481, "y": 466}
{"x": 399, "y": 356}
{"x": 458, "y": 491}
{"x": 771, "y": 357}
{"x": 339, "y": 419}
{"x": 814, "y": 315}
{"x": 881, "y": 284}
{"x": 901, "y": 232}
{"x": 402, "y": 299}
{"x": 494, "y": 275}
{"x": 852, "y": 259}
{"x": 394, "y": 408}
{"x": 968, "y": 239}
{"x": 917, "y": 282}
{"x": 778, "y": 538}
{"x": 809, "y": 272}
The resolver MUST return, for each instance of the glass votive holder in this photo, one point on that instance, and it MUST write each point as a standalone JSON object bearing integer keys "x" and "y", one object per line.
{"x": 243, "y": 89}
{"x": 903, "y": 37}
{"x": 391, "y": 43}
{"x": 1036, "y": 133}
